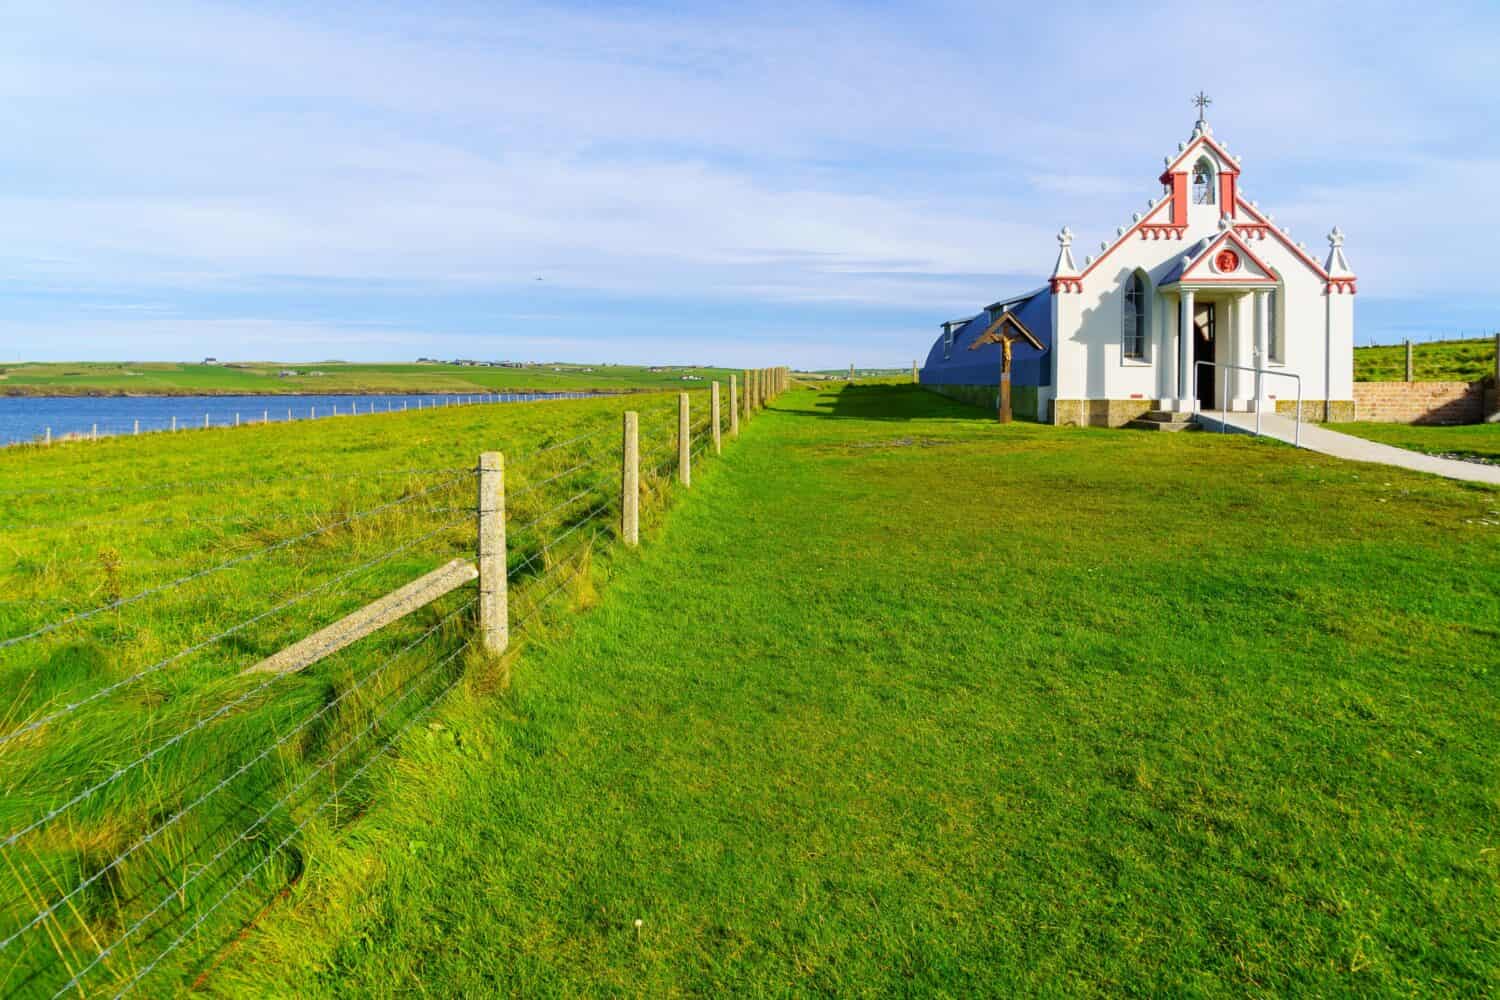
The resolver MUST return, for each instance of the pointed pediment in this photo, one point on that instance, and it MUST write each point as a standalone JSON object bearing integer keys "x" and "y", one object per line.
{"x": 1227, "y": 260}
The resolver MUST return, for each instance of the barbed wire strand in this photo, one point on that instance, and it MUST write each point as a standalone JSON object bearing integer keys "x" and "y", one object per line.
{"x": 176, "y": 891}
{"x": 146, "y": 758}
{"x": 223, "y": 783}
{"x": 258, "y": 480}
{"x": 161, "y": 664}
{"x": 208, "y": 571}
{"x": 184, "y": 519}
{"x": 589, "y": 517}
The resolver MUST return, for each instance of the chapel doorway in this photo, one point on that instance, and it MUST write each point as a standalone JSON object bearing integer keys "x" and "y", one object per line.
{"x": 1203, "y": 350}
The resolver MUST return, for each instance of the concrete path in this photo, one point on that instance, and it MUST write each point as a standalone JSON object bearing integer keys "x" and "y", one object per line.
{"x": 1318, "y": 438}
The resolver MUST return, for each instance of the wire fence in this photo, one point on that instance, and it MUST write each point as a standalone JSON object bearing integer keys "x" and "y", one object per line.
{"x": 55, "y": 420}
{"x": 158, "y": 789}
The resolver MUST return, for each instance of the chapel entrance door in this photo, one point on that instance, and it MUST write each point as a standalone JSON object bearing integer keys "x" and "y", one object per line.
{"x": 1203, "y": 350}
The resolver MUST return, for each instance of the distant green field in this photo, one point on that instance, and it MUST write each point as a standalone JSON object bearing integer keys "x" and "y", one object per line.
{"x": 1432, "y": 361}
{"x": 114, "y": 378}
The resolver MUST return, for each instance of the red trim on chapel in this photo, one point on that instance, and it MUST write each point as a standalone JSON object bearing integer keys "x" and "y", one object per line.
{"x": 1227, "y": 161}
{"x": 1228, "y": 236}
{"x": 1294, "y": 248}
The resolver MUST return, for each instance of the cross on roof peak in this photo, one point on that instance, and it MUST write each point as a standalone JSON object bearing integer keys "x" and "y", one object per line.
{"x": 1203, "y": 101}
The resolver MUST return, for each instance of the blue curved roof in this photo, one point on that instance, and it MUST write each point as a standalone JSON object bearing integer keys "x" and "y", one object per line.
{"x": 982, "y": 366}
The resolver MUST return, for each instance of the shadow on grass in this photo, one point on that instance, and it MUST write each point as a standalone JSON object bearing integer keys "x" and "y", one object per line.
{"x": 888, "y": 402}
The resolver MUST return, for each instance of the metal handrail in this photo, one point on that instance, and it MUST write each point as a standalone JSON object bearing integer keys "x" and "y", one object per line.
{"x": 1224, "y": 397}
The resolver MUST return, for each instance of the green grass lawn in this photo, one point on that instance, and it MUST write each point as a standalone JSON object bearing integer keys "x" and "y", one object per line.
{"x": 1432, "y": 361}
{"x": 1468, "y": 441}
{"x": 220, "y": 547}
{"x": 901, "y": 701}
{"x": 174, "y": 379}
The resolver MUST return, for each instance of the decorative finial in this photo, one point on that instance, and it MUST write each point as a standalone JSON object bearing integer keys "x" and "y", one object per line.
{"x": 1335, "y": 238}
{"x": 1201, "y": 127}
{"x": 1064, "y": 266}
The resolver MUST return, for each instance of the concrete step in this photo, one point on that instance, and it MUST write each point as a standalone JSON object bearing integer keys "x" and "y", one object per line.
{"x": 1162, "y": 416}
{"x": 1150, "y": 423}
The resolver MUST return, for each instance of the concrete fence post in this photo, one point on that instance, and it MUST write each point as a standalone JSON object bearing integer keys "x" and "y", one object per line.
{"x": 205, "y": 421}
{"x": 137, "y": 428}
{"x": 734, "y": 407}
{"x": 714, "y": 400}
{"x": 1408, "y": 362}
{"x": 47, "y": 440}
{"x": 494, "y": 599}
{"x": 312, "y": 413}
{"x": 174, "y": 423}
{"x": 288, "y": 414}
{"x": 684, "y": 441}
{"x": 851, "y": 371}
{"x": 236, "y": 418}
{"x": 914, "y": 379}
{"x": 94, "y": 433}
{"x": 630, "y": 481}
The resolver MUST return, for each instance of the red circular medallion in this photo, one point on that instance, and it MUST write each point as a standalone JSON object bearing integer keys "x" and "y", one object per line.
{"x": 1227, "y": 260}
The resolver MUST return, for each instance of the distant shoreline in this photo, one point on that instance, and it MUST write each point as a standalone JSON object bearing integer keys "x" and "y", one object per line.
{"x": 64, "y": 392}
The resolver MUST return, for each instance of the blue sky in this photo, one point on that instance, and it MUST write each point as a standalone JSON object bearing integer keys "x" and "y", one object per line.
{"x": 741, "y": 184}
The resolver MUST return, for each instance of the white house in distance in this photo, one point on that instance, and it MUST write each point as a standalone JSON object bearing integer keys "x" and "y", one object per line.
{"x": 1202, "y": 275}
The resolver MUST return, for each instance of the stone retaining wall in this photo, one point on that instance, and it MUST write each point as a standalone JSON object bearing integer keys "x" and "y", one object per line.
{"x": 1421, "y": 402}
{"x": 1099, "y": 412}
{"x": 1340, "y": 411}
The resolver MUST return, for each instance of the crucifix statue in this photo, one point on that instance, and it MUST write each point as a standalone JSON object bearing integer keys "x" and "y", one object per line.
{"x": 997, "y": 334}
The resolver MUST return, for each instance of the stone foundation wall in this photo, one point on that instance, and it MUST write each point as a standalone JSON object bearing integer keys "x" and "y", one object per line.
{"x": 987, "y": 398}
{"x": 1342, "y": 411}
{"x": 1099, "y": 412}
{"x": 1421, "y": 402}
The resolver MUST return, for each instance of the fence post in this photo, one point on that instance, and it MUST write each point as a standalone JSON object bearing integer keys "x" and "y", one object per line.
{"x": 684, "y": 458}
{"x": 174, "y": 423}
{"x": 914, "y": 379}
{"x": 630, "y": 481}
{"x": 236, "y": 418}
{"x": 494, "y": 611}
{"x": 48, "y": 440}
{"x": 137, "y": 428}
{"x": 718, "y": 441}
{"x": 734, "y": 407}
{"x": 205, "y": 421}
{"x": 851, "y": 371}
{"x": 94, "y": 434}
{"x": 1408, "y": 362}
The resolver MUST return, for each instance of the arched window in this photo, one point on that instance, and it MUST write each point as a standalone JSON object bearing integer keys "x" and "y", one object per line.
{"x": 1133, "y": 319}
{"x": 1203, "y": 183}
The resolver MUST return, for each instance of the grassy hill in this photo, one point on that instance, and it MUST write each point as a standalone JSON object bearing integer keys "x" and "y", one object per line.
{"x": 115, "y": 378}
{"x": 1432, "y": 361}
{"x": 905, "y": 702}
{"x": 141, "y": 575}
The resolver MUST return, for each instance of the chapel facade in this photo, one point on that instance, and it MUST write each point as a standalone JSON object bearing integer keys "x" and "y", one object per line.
{"x": 1201, "y": 286}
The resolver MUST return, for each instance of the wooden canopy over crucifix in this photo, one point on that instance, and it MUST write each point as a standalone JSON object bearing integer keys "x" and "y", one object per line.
{"x": 1005, "y": 331}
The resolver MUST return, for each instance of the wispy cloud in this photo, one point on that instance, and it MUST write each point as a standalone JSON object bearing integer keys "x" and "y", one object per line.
{"x": 685, "y": 170}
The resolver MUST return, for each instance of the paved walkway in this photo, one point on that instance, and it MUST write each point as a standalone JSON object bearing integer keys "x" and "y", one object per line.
{"x": 1318, "y": 438}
